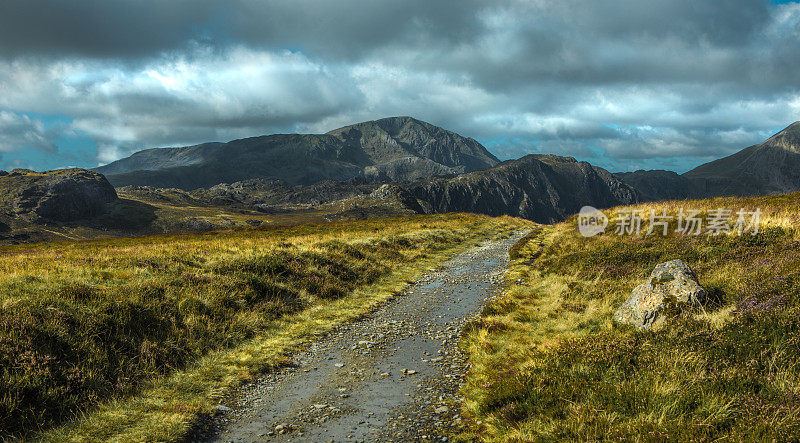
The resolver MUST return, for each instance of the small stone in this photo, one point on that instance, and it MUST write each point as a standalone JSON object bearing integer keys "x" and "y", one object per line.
{"x": 320, "y": 406}
{"x": 221, "y": 409}
{"x": 441, "y": 409}
{"x": 385, "y": 374}
{"x": 339, "y": 365}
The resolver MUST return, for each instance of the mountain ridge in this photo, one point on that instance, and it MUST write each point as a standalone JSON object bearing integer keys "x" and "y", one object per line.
{"x": 542, "y": 188}
{"x": 390, "y": 149}
{"x": 384, "y": 167}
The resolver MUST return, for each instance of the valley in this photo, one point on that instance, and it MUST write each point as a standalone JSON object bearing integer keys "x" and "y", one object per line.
{"x": 218, "y": 303}
{"x": 389, "y": 167}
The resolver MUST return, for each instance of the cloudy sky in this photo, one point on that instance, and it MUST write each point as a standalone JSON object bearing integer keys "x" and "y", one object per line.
{"x": 623, "y": 84}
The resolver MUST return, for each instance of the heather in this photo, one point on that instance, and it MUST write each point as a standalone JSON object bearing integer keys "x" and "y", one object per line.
{"x": 549, "y": 362}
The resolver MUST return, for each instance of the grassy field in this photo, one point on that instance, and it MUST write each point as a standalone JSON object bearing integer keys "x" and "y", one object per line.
{"x": 133, "y": 339}
{"x": 549, "y": 363}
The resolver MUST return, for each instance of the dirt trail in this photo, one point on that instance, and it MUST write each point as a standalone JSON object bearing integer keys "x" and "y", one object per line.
{"x": 392, "y": 376}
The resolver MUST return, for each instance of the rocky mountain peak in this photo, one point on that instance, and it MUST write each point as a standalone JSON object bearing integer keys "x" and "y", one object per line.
{"x": 788, "y": 139}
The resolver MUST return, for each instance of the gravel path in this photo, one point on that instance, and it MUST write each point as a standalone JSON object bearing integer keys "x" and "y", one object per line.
{"x": 392, "y": 376}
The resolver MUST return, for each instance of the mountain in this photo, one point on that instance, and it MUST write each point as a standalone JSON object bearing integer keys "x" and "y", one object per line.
{"x": 542, "y": 188}
{"x": 390, "y": 149}
{"x": 772, "y": 167}
{"x": 658, "y": 185}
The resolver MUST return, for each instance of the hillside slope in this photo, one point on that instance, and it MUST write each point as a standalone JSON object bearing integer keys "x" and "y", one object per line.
{"x": 390, "y": 149}
{"x": 132, "y": 339}
{"x": 772, "y": 167}
{"x": 657, "y": 185}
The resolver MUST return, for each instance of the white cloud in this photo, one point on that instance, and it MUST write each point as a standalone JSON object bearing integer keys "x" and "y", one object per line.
{"x": 20, "y": 131}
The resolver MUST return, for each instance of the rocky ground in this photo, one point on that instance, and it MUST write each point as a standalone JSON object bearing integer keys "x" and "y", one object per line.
{"x": 392, "y": 376}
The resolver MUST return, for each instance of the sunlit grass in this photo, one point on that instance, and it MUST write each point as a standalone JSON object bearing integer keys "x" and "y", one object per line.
{"x": 549, "y": 363}
{"x": 140, "y": 336}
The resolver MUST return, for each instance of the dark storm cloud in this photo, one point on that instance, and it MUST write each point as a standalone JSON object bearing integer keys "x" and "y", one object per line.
{"x": 136, "y": 28}
{"x": 100, "y": 28}
{"x": 627, "y": 83}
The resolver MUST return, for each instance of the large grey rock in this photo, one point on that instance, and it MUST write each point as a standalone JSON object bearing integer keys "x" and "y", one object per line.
{"x": 63, "y": 195}
{"x": 670, "y": 282}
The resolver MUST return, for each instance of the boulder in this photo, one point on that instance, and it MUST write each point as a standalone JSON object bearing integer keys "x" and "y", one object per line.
{"x": 672, "y": 283}
{"x": 62, "y": 195}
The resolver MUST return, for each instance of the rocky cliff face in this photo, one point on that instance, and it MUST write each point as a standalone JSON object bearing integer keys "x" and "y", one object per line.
{"x": 397, "y": 146}
{"x": 391, "y": 149}
{"x": 545, "y": 189}
{"x": 62, "y": 195}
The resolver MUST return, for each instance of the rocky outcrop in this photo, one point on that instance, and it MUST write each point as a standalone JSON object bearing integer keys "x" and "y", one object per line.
{"x": 542, "y": 188}
{"x": 62, "y": 196}
{"x": 389, "y": 193}
{"x": 672, "y": 284}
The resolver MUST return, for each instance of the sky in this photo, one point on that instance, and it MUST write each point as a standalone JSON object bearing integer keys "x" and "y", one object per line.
{"x": 624, "y": 85}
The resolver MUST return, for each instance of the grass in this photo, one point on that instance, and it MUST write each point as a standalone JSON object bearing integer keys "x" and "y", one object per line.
{"x": 134, "y": 339}
{"x": 548, "y": 363}
{"x": 165, "y": 212}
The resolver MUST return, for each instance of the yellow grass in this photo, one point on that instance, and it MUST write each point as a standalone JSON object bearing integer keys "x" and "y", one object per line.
{"x": 205, "y": 292}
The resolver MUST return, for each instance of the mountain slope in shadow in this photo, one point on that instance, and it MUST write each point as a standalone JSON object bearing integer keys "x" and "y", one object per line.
{"x": 390, "y": 149}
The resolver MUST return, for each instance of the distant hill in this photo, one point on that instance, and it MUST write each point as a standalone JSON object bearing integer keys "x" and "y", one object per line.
{"x": 772, "y": 167}
{"x": 542, "y": 188}
{"x": 658, "y": 185}
{"x": 390, "y": 149}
